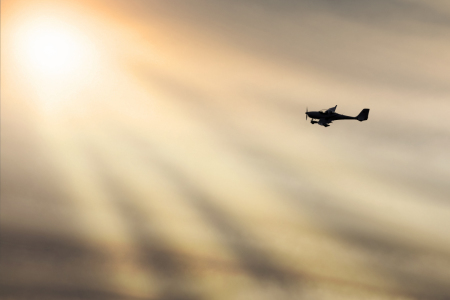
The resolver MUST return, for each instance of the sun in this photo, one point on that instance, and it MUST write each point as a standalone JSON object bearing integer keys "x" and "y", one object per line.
{"x": 53, "y": 48}
{"x": 54, "y": 54}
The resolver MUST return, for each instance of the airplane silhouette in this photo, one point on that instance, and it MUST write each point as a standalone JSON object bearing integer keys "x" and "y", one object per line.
{"x": 327, "y": 116}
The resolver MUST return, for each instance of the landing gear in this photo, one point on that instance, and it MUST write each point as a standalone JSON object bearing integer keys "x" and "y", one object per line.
{"x": 313, "y": 122}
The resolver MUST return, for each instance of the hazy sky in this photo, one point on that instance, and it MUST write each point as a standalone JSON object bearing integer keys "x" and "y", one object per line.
{"x": 158, "y": 149}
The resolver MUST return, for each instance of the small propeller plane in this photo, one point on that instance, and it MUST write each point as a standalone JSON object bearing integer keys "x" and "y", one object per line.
{"x": 326, "y": 116}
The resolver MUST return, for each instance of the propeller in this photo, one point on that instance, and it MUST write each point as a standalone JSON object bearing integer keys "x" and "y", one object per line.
{"x": 306, "y": 113}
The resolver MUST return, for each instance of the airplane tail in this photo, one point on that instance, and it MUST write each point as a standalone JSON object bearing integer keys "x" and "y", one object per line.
{"x": 363, "y": 115}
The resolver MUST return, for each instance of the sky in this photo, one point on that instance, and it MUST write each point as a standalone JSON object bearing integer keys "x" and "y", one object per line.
{"x": 159, "y": 149}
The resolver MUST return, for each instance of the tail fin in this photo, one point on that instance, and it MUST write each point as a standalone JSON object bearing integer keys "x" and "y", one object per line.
{"x": 363, "y": 115}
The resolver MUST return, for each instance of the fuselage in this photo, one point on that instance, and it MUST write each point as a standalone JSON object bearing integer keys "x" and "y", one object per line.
{"x": 327, "y": 115}
{"x": 317, "y": 114}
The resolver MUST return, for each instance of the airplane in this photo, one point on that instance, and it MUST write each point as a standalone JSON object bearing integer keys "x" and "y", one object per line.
{"x": 326, "y": 116}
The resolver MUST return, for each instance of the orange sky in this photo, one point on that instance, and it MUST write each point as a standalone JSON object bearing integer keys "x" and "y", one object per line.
{"x": 158, "y": 150}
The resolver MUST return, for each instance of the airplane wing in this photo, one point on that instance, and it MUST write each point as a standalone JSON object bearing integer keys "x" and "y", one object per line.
{"x": 324, "y": 122}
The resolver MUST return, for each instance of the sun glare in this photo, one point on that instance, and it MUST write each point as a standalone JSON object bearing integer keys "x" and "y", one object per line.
{"x": 55, "y": 56}
{"x": 53, "y": 49}
{"x": 65, "y": 58}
